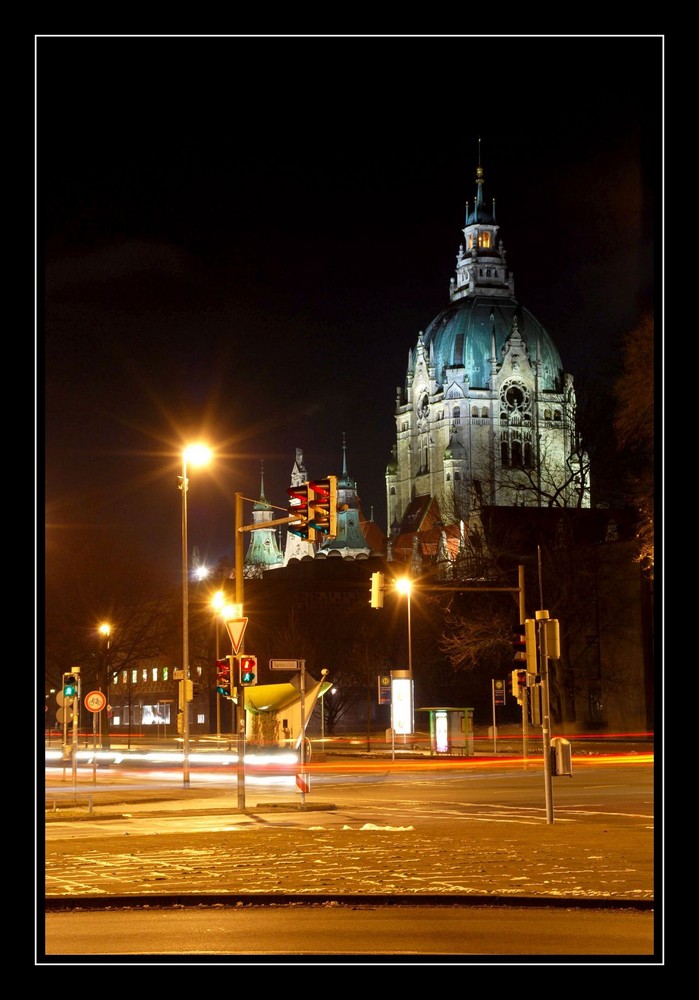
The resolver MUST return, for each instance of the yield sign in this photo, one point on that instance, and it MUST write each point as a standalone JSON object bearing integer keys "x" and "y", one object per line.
{"x": 236, "y": 630}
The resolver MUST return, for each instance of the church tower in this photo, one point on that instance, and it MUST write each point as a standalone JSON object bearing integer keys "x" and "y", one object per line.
{"x": 350, "y": 540}
{"x": 263, "y": 552}
{"x": 298, "y": 548}
{"x": 486, "y": 414}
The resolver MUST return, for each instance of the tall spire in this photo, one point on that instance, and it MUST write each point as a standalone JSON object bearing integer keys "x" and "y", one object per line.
{"x": 344, "y": 456}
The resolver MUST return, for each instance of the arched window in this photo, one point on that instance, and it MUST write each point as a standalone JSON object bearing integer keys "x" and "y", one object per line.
{"x": 504, "y": 453}
{"x": 527, "y": 455}
{"x": 547, "y": 414}
{"x": 484, "y": 411}
{"x": 457, "y": 477}
{"x": 457, "y": 414}
{"x": 448, "y": 477}
{"x": 556, "y": 414}
{"x": 474, "y": 411}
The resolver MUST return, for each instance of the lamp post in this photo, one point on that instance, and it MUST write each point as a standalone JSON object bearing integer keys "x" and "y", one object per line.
{"x": 197, "y": 454}
{"x": 404, "y": 585}
{"x": 105, "y": 629}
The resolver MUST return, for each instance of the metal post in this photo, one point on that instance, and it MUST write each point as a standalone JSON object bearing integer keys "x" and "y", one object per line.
{"x": 218, "y": 696}
{"x": 303, "y": 731}
{"x": 76, "y": 702}
{"x": 240, "y": 710}
{"x": 185, "y": 631}
{"x": 542, "y": 618}
{"x": 94, "y": 747}
{"x": 495, "y": 729}
{"x": 525, "y": 703}
{"x": 410, "y": 642}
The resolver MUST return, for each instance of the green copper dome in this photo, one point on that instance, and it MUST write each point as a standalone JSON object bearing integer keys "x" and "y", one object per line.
{"x": 462, "y": 336}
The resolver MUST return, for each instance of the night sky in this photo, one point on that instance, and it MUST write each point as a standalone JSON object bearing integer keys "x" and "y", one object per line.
{"x": 239, "y": 239}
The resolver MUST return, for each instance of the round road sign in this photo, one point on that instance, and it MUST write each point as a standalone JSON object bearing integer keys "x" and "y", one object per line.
{"x": 95, "y": 701}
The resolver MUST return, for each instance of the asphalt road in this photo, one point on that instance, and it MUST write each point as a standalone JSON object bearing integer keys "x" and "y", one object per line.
{"x": 459, "y": 837}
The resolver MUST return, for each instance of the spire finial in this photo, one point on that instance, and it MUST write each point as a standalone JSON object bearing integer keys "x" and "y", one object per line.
{"x": 344, "y": 456}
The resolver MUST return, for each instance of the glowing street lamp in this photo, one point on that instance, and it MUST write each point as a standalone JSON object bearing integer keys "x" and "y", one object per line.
{"x": 195, "y": 455}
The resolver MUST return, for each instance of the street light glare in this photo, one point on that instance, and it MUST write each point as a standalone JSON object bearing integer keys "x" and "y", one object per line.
{"x": 404, "y": 585}
{"x": 197, "y": 454}
{"x": 105, "y": 629}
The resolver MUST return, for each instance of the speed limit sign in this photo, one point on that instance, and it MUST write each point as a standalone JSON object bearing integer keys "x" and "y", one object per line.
{"x": 95, "y": 701}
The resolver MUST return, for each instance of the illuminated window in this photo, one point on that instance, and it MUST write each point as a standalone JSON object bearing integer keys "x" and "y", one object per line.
{"x": 484, "y": 240}
{"x": 154, "y": 673}
{"x": 166, "y": 673}
{"x": 134, "y": 676}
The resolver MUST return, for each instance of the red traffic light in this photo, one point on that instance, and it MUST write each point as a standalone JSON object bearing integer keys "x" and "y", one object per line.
{"x": 248, "y": 669}
{"x": 322, "y": 506}
{"x": 298, "y": 508}
{"x": 519, "y": 642}
{"x": 223, "y": 677}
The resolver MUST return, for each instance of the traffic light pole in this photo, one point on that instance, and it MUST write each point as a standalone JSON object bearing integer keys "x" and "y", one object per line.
{"x": 542, "y": 617}
{"x": 240, "y": 703}
{"x": 525, "y": 701}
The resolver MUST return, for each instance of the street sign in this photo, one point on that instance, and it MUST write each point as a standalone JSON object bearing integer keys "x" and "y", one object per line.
{"x": 384, "y": 689}
{"x": 499, "y": 692}
{"x": 236, "y": 630}
{"x": 95, "y": 701}
{"x": 285, "y": 664}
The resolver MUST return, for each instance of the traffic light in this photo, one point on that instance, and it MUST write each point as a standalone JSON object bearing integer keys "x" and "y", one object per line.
{"x": 322, "y": 507}
{"x": 524, "y": 645}
{"x": 519, "y": 684}
{"x": 530, "y": 636}
{"x": 298, "y": 507}
{"x": 223, "y": 677}
{"x": 377, "y": 589}
{"x": 248, "y": 670}
{"x": 70, "y": 684}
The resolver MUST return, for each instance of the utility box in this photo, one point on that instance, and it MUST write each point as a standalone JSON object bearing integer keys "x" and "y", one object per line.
{"x": 561, "y": 757}
{"x": 451, "y": 730}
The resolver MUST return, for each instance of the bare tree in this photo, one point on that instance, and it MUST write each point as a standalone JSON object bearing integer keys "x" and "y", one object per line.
{"x": 635, "y": 429}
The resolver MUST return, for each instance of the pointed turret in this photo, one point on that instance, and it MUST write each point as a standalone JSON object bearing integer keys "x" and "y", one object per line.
{"x": 263, "y": 552}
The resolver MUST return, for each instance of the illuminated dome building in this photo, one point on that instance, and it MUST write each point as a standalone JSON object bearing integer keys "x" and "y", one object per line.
{"x": 487, "y": 413}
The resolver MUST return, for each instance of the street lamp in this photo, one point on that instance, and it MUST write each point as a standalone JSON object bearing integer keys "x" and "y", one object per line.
{"x": 197, "y": 454}
{"x": 105, "y": 629}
